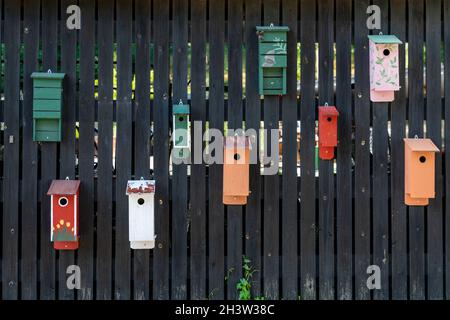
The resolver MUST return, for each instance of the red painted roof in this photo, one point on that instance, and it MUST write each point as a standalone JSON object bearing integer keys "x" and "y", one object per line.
{"x": 67, "y": 187}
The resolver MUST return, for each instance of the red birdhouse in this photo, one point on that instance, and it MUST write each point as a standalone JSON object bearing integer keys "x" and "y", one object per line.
{"x": 64, "y": 214}
{"x": 328, "y": 118}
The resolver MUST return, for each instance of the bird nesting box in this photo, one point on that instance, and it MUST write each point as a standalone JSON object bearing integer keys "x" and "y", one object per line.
{"x": 328, "y": 123}
{"x": 236, "y": 167}
{"x": 272, "y": 47}
{"x": 419, "y": 171}
{"x": 47, "y": 106}
{"x": 181, "y": 135}
{"x": 141, "y": 213}
{"x": 384, "y": 67}
{"x": 64, "y": 220}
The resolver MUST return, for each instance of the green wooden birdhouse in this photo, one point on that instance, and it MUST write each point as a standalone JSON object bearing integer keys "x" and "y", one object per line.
{"x": 180, "y": 126}
{"x": 47, "y": 106}
{"x": 272, "y": 43}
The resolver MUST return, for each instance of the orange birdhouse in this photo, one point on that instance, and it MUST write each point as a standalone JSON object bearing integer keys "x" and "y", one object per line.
{"x": 236, "y": 170}
{"x": 328, "y": 122}
{"x": 64, "y": 214}
{"x": 419, "y": 171}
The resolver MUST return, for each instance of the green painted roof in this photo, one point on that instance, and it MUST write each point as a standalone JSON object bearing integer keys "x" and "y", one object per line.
{"x": 272, "y": 28}
{"x": 47, "y": 75}
{"x": 385, "y": 39}
{"x": 180, "y": 109}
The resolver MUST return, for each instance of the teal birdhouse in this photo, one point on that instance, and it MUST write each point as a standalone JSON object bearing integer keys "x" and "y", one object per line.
{"x": 181, "y": 127}
{"x": 272, "y": 44}
{"x": 47, "y": 106}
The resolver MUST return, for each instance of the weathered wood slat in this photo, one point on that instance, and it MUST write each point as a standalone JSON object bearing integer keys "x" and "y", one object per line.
{"x": 179, "y": 184}
{"x": 105, "y": 152}
{"x": 67, "y": 145}
{"x": 435, "y": 245}
{"x": 235, "y": 112}
{"x": 344, "y": 219}
{"x": 362, "y": 229}
{"x": 216, "y": 238}
{"x": 271, "y": 216}
{"x": 446, "y": 17}
{"x": 86, "y": 151}
{"x": 399, "y": 262}
{"x": 198, "y": 212}
{"x": 252, "y": 121}
{"x": 415, "y": 124}
{"x": 289, "y": 227}
{"x": 48, "y": 157}
{"x": 142, "y": 11}
{"x": 10, "y": 258}
{"x": 122, "y": 282}
{"x": 161, "y": 268}
{"x": 29, "y": 266}
{"x": 326, "y": 171}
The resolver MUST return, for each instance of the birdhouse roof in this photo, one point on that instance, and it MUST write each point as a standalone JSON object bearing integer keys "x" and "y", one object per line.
{"x": 272, "y": 28}
{"x": 64, "y": 187}
{"x": 47, "y": 75}
{"x": 385, "y": 39}
{"x": 180, "y": 109}
{"x": 140, "y": 186}
{"x": 423, "y": 145}
{"x": 237, "y": 142}
{"x": 329, "y": 111}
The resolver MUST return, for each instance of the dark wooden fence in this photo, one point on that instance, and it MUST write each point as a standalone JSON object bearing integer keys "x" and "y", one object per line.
{"x": 308, "y": 236}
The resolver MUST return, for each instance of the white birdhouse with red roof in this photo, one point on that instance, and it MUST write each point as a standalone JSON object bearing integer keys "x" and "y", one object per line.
{"x": 141, "y": 213}
{"x": 64, "y": 219}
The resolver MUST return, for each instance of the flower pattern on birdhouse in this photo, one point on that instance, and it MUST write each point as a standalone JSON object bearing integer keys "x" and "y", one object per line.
{"x": 384, "y": 74}
{"x": 270, "y": 56}
{"x": 63, "y": 231}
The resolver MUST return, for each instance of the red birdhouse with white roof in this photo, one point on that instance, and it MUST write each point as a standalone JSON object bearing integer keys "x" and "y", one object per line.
{"x": 64, "y": 214}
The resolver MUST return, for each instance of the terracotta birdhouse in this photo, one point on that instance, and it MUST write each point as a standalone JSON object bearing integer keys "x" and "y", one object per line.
{"x": 64, "y": 214}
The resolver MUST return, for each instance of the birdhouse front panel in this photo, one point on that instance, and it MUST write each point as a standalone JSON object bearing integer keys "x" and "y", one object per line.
{"x": 141, "y": 194}
{"x": 384, "y": 67}
{"x": 328, "y": 135}
{"x": 419, "y": 171}
{"x": 47, "y": 106}
{"x": 64, "y": 214}
{"x": 181, "y": 126}
{"x": 272, "y": 46}
{"x": 236, "y": 170}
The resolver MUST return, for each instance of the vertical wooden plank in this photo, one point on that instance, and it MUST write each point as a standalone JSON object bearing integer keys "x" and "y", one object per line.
{"x": 415, "y": 117}
{"x": 67, "y": 145}
{"x": 289, "y": 270}
{"x": 141, "y": 259}
{"x": 48, "y": 156}
{"x": 446, "y": 17}
{"x": 123, "y": 148}
{"x": 434, "y": 115}
{"x": 271, "y": 216}
{"x": 344, "y": 219}
{"x": 161, "y": 146}
{"x": 29, "y": 251}
{"x": 252, "y": 121}
{"x": 234, "y": 213}
{"x": 10, "y": 259}
{"x": 399, "y": 263}
{"x": 86, "y": 150}
{"x": 362, "y": 152}
{"x": 198, "y": 171}
{"x": 380, "y": 224}
{"x": 179, "y": 185}
{"x": 216, "y": 119}
{"x": 326, "y": 171}
{"x": 105, "y": 153}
